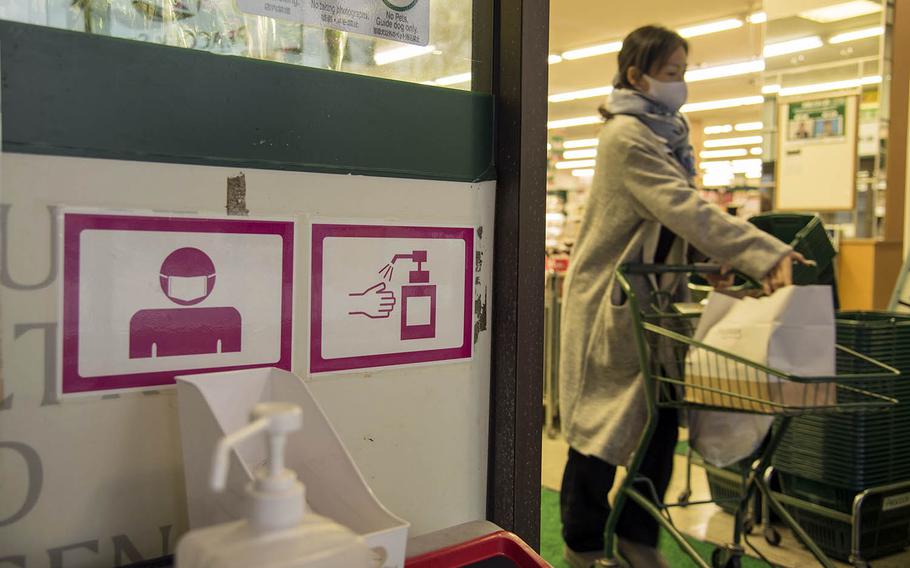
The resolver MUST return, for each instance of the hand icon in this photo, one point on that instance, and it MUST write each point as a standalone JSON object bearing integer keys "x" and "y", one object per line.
{"x": 375, "y": 302}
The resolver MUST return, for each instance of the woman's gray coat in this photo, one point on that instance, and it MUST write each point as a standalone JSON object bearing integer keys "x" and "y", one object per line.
{"x": 638, "y": 186}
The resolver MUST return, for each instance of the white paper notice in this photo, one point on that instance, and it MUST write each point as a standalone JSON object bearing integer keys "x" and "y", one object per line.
{"x": 405, "y": 21}
{"x": 282, "y": 9}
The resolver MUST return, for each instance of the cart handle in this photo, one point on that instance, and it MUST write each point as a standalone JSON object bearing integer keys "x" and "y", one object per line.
{"x": 696, "y": 268}
{"x": 699, "y": 268}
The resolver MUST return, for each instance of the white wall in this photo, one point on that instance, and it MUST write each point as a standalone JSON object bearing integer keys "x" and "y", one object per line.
{"x": 110, "y": 479}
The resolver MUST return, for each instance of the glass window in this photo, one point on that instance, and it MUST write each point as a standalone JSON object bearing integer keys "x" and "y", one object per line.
{"x": 218, "y": 26}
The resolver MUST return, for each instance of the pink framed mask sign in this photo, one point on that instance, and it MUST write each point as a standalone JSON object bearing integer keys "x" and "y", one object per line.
{"x": 147, "y": 298}
{"x": 389, "y": 295}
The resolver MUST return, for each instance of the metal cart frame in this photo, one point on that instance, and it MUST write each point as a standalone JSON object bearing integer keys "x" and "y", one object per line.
{"x": 662, "y": 390}
{"x": 552, "y": 318}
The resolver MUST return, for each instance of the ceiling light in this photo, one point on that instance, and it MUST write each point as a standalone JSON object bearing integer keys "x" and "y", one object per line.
{"x": 792, "y": 46}
{"x": 401, "y": 53}
{"x": 720, "y": 71}
{"x": 857, "y": 34}
{"x": 581, "y": 143}
{"x": 582, "y": 94}
{"x": 569, "y": 122}
{"x": 842, "y": 11}
{"x": 716, "y": 166}
{"x": 579, "y": 154}
{"x": 758, "y": 18}
{"x": 693, "y": 76}
{"x": 585, "y": 173}
{"x": 832, "y": 86}
{"x": 687, "y": 32}
{"x": 719, "y": 129}
{"x": 552, "y": 59}
{"x": 735, "y": 166}
{"x": 757, "y": 151}
{"x": 575, "y": 164}
{"x": 770, "y": 89}
{"x": 687, "y": 108}
{"x": 737, "y": 153}
{"x": 723, "y": 103}
{"x": 710, "y": 28}
{"x": 727, "y": 142}
{"x": 454, "y": 79}
{"x": 748, "y": 126}
{"x": 719, "y": 179}
{"x": 745, "y": 166}
{"x": 600, "y": 49}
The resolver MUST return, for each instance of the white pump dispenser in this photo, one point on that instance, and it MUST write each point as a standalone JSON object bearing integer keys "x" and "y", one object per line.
{"x": 278, "y": 532}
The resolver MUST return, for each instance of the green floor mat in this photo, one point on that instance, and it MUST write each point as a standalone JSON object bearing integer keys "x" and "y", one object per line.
{"x": 551, "y": 539}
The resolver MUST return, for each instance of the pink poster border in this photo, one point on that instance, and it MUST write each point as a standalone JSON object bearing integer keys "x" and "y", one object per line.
{"x": 73, "y": 226}
{"x": 320, "y": 232}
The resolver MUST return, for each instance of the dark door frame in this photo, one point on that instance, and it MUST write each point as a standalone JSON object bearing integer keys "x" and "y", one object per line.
{"x": 519, "y": 85}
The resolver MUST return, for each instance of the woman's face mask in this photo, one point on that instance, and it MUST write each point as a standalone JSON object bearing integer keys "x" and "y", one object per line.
{"x": 672, "y": 95}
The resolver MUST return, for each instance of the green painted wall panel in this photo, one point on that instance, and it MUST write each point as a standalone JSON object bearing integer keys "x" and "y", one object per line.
{"x": 74, "y": 94}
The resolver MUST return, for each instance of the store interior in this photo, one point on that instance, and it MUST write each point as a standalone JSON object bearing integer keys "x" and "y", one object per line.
{"x": 740, "y": 66}
{"x": 762, "y": 79}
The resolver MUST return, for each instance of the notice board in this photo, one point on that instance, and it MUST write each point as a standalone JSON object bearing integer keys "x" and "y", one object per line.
{"x": 817, "y": 140}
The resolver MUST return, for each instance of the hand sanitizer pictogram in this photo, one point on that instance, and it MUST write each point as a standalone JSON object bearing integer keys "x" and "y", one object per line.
{"x": 418, "y": 302}
{"x": 418, "y": 299}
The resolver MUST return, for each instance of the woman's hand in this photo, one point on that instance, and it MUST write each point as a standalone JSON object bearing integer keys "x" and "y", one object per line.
{"x": 722, "y": 280}
{"x": 782, "y": 274}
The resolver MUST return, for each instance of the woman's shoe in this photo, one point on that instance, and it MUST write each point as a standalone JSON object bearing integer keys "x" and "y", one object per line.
{"x": 581, "y": 559}
{"x": 641, "y": 556}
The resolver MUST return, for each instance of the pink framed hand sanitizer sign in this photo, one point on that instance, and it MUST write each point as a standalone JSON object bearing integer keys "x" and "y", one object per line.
{"x": 389, "y": 295}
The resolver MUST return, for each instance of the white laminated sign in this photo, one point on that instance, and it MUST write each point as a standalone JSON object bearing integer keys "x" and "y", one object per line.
{"x": 146, "y": 298}
{"x": 389, "y": 296}
{"x": 405, "y": 21}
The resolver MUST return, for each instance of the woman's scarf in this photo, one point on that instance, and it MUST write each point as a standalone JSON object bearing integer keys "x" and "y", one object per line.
{"x": 671, "y": 126}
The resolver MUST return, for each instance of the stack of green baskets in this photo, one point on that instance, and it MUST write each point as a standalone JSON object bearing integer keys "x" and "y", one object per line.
{"x": 807, "y": 235}
{"x": 828, "y": 460}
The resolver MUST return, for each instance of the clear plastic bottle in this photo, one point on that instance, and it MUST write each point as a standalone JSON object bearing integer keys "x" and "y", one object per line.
{"x": 279, "y": 532}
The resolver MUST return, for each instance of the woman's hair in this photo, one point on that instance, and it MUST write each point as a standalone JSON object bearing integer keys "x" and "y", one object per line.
{"x": 647, "y": 48}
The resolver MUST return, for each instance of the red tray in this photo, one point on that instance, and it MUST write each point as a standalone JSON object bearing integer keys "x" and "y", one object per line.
{"x": 497, "y": 549}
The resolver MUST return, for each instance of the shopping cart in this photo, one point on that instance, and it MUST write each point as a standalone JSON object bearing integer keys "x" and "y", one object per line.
{"x": 670, "y": 359}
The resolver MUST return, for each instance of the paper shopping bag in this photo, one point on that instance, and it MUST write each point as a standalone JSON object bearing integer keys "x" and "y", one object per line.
{"x": 792, "y": 331}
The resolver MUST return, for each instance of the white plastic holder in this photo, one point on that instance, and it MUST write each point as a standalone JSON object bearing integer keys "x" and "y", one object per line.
{"x": 214, "y": 405}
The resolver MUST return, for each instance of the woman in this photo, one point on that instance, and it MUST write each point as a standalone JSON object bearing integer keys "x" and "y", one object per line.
{"x": 642, "y": 208}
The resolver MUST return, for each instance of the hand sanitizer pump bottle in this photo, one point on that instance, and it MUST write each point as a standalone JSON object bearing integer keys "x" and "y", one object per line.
{"x": 279, "y": 531}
